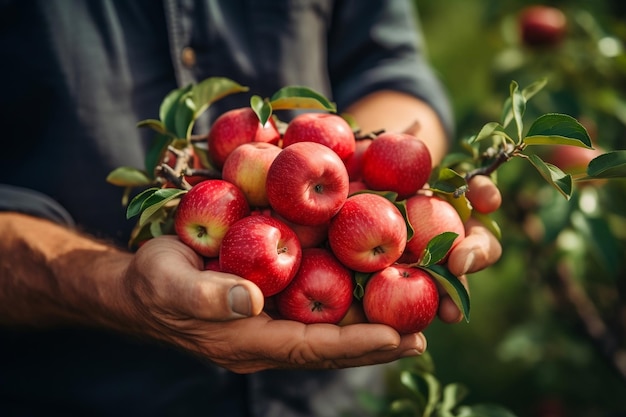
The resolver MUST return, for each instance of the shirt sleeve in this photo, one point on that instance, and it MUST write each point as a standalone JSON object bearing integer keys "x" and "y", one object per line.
{"x": 381, "y": 47}
{"x": 34, "y": 203}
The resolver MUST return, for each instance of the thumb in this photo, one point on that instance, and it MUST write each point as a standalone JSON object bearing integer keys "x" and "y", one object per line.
{"x": 177, "y": 279}
{"x": 218, "y": 296}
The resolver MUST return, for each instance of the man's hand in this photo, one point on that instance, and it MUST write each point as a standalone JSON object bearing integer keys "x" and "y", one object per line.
{"x": 218, "y": 317}
{"x": 479, "y": 249}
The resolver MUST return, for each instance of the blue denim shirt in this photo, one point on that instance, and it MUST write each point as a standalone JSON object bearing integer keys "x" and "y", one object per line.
{"x": 77, "y": 76}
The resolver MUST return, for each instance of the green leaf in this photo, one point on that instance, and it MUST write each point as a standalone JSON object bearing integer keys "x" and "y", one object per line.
{"x": 453, "y": 286}
{"x": 157, "y": 149}
{"x": 534, "y": 88}
{"x": 262, "y": 108}
{"x": 211, "y": 90}
{"x": 558, "y": 129}
{"x": 448, "y": 181}
{"x": 453, "y": 394}
{"x": 527, "y": 94}
{"x": 360, "y": 279}
{"x": 401, "y": 206}
{"x": 185, "y": 116}
{"x": 156, "y": 201}
{"x": 155, "y": 224}
{"x": 182, "y": 107}
{"x": 155, "y": 125}
{"x": 169, "y": 108}
{"x": 553, "y": 174}
{"x": 134, "y": 208}
{"x": 437, "y": 248}
{"x": 608, "y": 165}
{"x": 489, "y": 130}
{"x": 201, "y": 96}
{"x": 297, "y": 97}
{"x": 451, "y": 186}
{"x": 139, "y": 235}
{"x": 425, "y": 388}
{"x": 403, "y": 407}
{"x": 128, "y": 177}
{"x": 518, "y": 107}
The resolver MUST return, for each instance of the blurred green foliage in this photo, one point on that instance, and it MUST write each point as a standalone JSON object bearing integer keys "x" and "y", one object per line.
{"x": 548, "y": 329}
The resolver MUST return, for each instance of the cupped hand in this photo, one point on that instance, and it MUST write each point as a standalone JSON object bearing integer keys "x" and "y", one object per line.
{"x": 219, "y": 317}
{"x": 480, "y": 248}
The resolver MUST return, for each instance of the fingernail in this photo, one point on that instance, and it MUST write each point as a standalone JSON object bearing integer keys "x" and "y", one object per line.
{"x": 421, "y": 343}
{"x": 388, "y": 347}
{"x": 420, "y": 347}
{"x": 409, "y": 353}
{"x": 239, "y": 301}
{"x": 469, "y": 262}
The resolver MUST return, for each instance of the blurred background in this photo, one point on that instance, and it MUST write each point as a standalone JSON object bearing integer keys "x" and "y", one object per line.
{"x": 547, "y": 335}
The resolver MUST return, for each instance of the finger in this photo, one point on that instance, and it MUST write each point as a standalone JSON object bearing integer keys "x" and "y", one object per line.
{"x": 483, "y": 194}
{"x": 216, "y": 296}
{"x": 182, "y": 286}
{"x": 413, "y": 344}
{"x": 320, "y": 346}
{"x": 478, "y": 250}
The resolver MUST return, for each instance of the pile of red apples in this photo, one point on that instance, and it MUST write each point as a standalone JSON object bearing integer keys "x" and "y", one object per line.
{"x": 302, "y": 212}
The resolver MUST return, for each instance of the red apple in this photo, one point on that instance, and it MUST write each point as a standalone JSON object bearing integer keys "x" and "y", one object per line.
{"x": 368, "y": 233}
{"x": 307, "y": 183}
{"x": 430, "y": 216}
{"x": 205, "y": 213}
{"x": 542, "y": 25}
{"x": 354, "y": 164}
{"x": 403, "y": 297}
{"x": 325, "y": 128}
{"x": 236, "y": 127}
{"x": 247, "y": 167}
{"x": 309, "y": 236}
{"x": 263, "y": 250}
{"x": 321, "y": 291}
{"x": 396, "y": 162}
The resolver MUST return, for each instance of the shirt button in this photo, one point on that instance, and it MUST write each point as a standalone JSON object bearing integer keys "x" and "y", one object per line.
{"x": 188, "y": 57}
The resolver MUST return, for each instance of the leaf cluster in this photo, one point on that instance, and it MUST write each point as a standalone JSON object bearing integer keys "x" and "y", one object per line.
{"x": 415, "y": 391}
{"x": 178, "y": 113}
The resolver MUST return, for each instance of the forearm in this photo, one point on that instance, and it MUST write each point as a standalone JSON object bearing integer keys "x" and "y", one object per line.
{"x": 50, "y": 275}
{"x": 398, "y": 112}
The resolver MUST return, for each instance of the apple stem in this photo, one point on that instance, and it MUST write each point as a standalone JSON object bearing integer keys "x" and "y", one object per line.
{"x": 370, "y": 135}
{"x": 201, "y": 231}
{"x": 205, "y": 172}
{"x": 378, "y": 250}
{"x": 170, "y": 174}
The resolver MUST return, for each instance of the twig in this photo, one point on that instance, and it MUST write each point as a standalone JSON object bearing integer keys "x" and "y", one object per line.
{"x": 567, "y": 289}
{"x": 171, "y": 175}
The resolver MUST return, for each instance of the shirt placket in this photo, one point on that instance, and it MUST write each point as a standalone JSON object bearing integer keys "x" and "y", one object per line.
{"x": 179, "y": 18}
